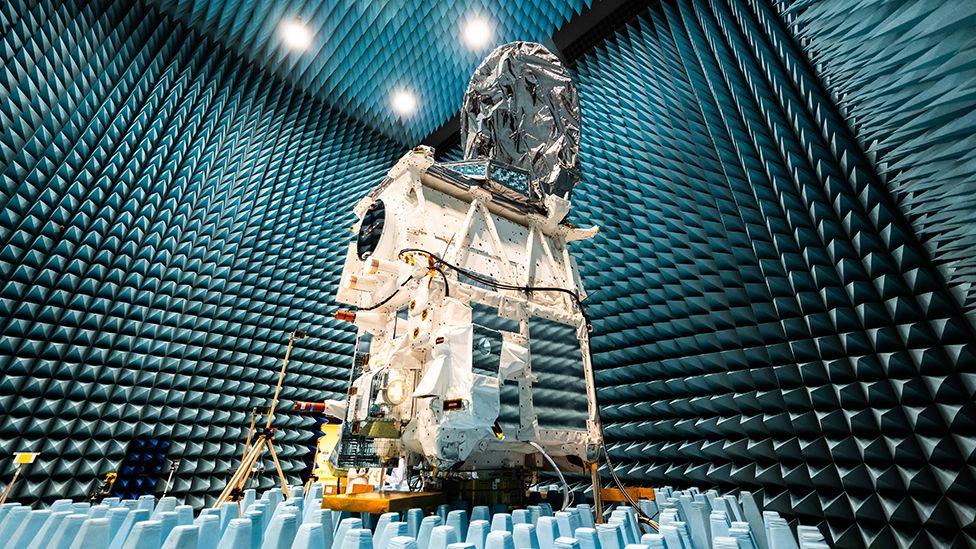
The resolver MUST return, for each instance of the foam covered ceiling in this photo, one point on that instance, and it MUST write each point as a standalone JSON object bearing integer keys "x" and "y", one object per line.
{"x": 362, "y": 51}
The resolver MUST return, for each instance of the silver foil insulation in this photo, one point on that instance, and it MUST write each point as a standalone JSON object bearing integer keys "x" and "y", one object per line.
{"x": 521, "y": 109}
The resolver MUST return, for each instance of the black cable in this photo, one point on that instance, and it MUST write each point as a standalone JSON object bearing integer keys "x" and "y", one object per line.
{"x": 447, "y": 287}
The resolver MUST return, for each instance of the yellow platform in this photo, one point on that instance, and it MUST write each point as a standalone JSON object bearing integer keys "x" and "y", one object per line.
{"x": 382, "y": 502}
{"x": 614, "y": 495}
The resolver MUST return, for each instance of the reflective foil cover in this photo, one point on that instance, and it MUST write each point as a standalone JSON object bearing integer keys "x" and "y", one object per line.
{"x": 521, "y": 109}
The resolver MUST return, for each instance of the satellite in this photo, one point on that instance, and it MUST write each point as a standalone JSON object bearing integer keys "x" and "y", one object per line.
{"x": 472, "y": 353}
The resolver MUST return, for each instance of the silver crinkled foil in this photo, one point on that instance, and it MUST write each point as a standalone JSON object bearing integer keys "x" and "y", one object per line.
{"x": 521, "y": 109}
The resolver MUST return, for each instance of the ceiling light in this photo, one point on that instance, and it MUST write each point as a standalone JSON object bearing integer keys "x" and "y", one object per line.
{"x": 295, "y": 34}
{"x": 404, "y": 102}
{"x": 477, "y": 33}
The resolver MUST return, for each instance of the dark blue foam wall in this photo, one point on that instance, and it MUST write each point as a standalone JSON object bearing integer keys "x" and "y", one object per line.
{"x": 765, "y": 317}
{"x": 905, "y": 73}
{"x": 169, "y": 215}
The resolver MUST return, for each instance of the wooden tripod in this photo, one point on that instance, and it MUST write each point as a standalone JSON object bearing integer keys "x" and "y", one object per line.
{"x": 234, "y": 491}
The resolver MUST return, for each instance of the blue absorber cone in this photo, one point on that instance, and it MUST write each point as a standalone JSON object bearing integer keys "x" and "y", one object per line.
{"x": 168, "y": 521}
{"x": 183, "y": 537}
{"x": 112, "y": 502}
{"x": 297, "y": 503}
{"x": 68, "y": 531}
{"x": 6, "y": 507}
{"x": 257, "y": 530}
{"x": 547, "y": 531}
{"x": 257, "y": 523}
{"x": 237, "y": 536}
{"x": 442, "y": 511}
{"x": 310, "y": 536}
{"x": 588, "y": 538}
{"x": 566, "y": 523}
{"x": 441, "y": 537}
{"x": 228, "y": 511}
{"x": 501, "y": 522}
{"x": 382, "y": 522}
{"x": 358, "y": 538}
{"x": 314, "y": 492}
{"x": 566, "y": 543}
{"x": 144, "y": 535}
{"x": 250, "y": 495}
{"x": 134, "y": 516}
{"x": 778, "y": 533}
{"x": 426, "y": 529}
{"x": 620, "y": 523}
{"x": 534, "y": 513}
{"x": 460, "y": 545}
{"x": 670, "y": 535}
{"x": 683, "y": 532}
{"x": 274, "y": 496}
{"x": 184, "y": 515}
{"x": 545, "y": 509}
{"x": 633, "y": 524}
{"x": 414, "y": 516}
{"x": 312, "y": 507}
{"x": 48, "y": 529}
{"x": 407, "y": 542}
{"x": 146, "y": 502}
{"x": 317, "y": 515}
{"x": 525, "y": 537}
{"x": 56, "y": 507}
{"x": 210, "y": 511}
{"x": 164, "y": 505}
{"x": 263, "y": 508}
{"x": 653, "y": 541}
{"x": 15, "y": 517}
{"x": 209, "y": 526}
{"x": 586, "y": 515}
{"x": 719, "y": 523}
{"x": 521, "y": 516}
{"x": 81, "y": 507}
{"x": 116, "y": 517}
{"x": 281, "y": 531}
{"x": 733, "y": 507}
{"x": 392, "y": 530}
{"x": 297, "y": 491}
{"x": 478, "y": 533}
{"x": 480, "y": 512}
{"x": 458, "y": 520}
{"x": 28, "y": 529}
{"x": 129, "y": 504}
{"x": 345, "y": 525}
{"x": 98, "y": 511}
{"x": 635, "y": 546}
{"x": 611, "y": 536}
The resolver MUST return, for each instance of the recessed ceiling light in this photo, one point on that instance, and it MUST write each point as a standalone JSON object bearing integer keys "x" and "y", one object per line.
{"x": 296, "y": 34}
{"x": 404, "y": 102}
{"x": 477, "y": 33}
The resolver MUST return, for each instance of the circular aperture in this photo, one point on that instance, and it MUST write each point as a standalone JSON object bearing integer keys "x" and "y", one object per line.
{"x": 371, "y": 230}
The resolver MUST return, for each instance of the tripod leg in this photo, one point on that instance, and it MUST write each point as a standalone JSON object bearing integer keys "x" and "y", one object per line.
{"x": 237, "y": 481}
{"x": 281, "y": 474}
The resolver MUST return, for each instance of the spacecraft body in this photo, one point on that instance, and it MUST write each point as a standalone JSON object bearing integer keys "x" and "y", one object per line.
{"x": 473, "y": 347}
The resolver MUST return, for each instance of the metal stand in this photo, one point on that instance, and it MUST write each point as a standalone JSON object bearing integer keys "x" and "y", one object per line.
{"x": 174, "y": 466}
{"x": 234, "y": 491}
